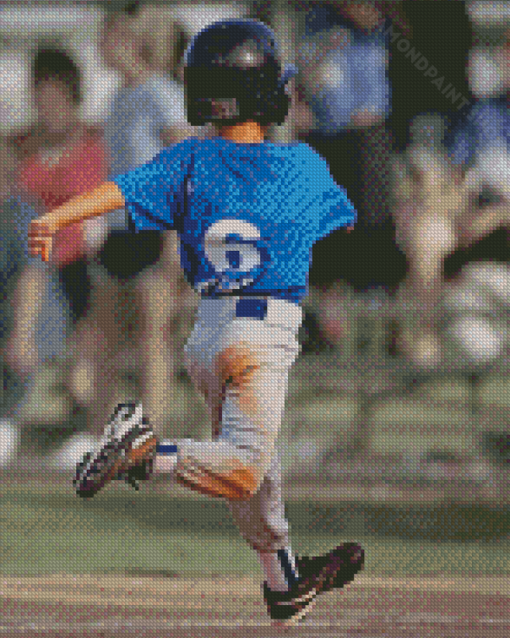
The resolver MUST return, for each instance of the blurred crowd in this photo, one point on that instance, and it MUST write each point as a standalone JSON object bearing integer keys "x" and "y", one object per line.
{"x": 112, "y": 301}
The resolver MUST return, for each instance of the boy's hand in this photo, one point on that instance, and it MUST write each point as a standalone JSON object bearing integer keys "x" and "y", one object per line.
{"x": 40, "y": 237}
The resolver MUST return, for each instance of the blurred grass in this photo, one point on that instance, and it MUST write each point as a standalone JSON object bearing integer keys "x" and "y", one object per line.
{"x": 436, "y": 415}
{"x": 49, "y": 530}
{"x": 495, "y": 391}
{"x": 397, "y": 444}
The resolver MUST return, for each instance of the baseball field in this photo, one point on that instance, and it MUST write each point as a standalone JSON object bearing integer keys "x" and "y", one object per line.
{"x": 163, "y": 563}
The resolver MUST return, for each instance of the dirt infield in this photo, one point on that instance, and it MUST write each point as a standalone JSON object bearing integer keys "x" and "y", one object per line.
{"x": 110, "y": 606}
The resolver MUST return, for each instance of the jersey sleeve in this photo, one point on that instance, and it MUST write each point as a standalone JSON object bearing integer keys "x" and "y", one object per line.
{"x": 152, "y": 192}
{"x": 338, "y": 212}
{"x": 331, "y": 204}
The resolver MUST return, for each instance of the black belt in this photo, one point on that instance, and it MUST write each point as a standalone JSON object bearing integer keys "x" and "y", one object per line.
{"x": 293, "y": 294}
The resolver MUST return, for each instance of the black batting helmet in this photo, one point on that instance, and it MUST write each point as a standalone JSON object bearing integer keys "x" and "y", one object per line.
{"x": 232, "y": 74}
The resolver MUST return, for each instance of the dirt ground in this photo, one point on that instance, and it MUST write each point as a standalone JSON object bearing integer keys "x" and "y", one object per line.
{"x": 113, "y": 606}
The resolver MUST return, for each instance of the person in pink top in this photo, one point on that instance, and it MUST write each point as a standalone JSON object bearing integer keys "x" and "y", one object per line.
{"x": 57, "y": 175}
{"x": 59, "y": 158}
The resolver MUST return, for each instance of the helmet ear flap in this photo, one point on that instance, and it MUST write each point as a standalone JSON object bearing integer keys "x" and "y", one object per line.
{"x": 276, "y": 107}
{"x": 282, "y": 108}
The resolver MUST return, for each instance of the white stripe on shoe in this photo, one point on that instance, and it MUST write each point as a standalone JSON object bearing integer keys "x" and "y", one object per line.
{"x": 306, "y": 597}
{"x": 297, "y": 618}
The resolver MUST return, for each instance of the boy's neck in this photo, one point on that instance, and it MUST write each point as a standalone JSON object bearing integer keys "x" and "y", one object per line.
{"x": 249, "y": 132}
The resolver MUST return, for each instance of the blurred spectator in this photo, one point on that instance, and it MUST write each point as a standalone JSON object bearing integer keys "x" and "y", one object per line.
{"x": 28, "y": 335}
{"x": 343, "y": 68}
{"x": 59, "y": 159}
{"x": 450, "y": 209}
{"x": 344, "y": 60}
{"x": 428, "y": 199}
{"x": 10, "y": 265}
{"x": 478, "y": 144}
{"x": 146, "y": 115}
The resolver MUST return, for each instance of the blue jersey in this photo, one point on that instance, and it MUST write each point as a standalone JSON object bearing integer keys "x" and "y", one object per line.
{"x": 247, "y": 214}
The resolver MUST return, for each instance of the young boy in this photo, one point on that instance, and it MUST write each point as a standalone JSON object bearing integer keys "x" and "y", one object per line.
{"x": 247, "y": 213}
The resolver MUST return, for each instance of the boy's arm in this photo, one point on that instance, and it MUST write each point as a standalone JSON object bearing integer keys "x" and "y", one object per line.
{"x": 99, "y": 201}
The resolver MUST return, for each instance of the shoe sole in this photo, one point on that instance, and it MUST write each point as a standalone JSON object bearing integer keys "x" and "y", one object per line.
{"x": 110, "y": 462}
{"x": 297, "y": 619}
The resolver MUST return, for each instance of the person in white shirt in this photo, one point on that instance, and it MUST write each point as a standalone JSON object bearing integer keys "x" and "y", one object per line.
{"x": 147, "y": 113}
{"x": 145, "y": 116}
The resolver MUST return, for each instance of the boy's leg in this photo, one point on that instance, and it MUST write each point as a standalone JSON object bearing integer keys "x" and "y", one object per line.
{"x": 246, "y": 409}
{"x": 241, "y": 367}
{"x": 262, "y": 523}
{"x": 245, "y": 391}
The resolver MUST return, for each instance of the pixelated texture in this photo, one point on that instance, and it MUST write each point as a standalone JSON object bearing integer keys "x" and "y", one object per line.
{"x": 74, "y": 170}
{"x": 367, "y": 430}
{"x": 349, "y": 68}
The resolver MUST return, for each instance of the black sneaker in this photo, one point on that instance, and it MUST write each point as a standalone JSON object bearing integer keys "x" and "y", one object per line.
{"x": 317, "y": 575}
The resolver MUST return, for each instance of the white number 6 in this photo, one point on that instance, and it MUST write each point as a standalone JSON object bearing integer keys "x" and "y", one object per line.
{"x": 237, "y": 253}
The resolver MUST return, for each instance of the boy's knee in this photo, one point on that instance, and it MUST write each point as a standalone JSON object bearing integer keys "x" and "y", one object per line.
{"x": 236, "y": 367}
{"x": 239, "y": 483}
